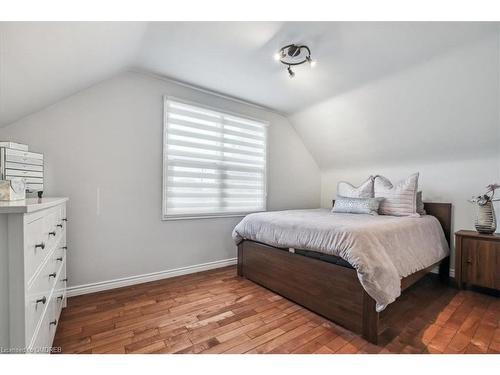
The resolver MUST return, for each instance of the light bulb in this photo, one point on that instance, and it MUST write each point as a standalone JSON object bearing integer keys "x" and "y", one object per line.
{"x": 277, "y": 56}
{"x": 313, "y": 63}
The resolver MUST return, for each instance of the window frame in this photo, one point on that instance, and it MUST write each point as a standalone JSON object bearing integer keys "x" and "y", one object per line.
{"x": 170, "y": 217}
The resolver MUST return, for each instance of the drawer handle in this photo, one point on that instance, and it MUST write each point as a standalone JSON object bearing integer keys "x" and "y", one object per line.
{"x": 53, "y": 323}
{"x": 65, "y": 219}
{"x": 52, "y": 275}
{"x": 65, "y": 280}
{"x": 40, "y": 245}
{"x": 41, "y": 300}
{"x": 469, "y": 261}
{"x": 60, "y": 298}
{"x": 64, "y": 247}
{"x": 52, "y": 233}
{"x": 59, "y": 259}
{"x": 59, "y": 225}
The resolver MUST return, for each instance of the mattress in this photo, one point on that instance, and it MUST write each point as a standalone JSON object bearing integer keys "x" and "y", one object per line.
{"x": 382, "y": 249}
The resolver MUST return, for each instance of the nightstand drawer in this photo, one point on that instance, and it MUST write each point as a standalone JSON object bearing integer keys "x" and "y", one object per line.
{"x": 481, "y": 262}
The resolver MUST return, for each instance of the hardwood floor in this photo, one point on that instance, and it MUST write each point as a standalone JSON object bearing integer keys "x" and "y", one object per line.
{"x": 218, "y": 312}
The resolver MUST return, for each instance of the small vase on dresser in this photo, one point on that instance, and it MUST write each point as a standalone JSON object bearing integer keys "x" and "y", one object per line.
{"x": 33, "y": 269}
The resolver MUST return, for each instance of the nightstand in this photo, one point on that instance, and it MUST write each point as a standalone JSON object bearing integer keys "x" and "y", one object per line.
{"x": 477, "y": 259}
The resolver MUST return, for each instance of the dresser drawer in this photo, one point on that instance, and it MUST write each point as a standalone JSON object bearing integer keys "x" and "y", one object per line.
{"x": 42, "y": 341}
{"x": 24, "y": 154}
{"x": 36, "y": 246}
{"x": 45, "y": 280}
{"x": 50, "y": 229}
{"x": 49, "y": 282}
{"x": 23, "y": 157}
{"x": 56, "y": 256}
{"x": 43, "y": 232}
{"x": 27, "y": 180}
{"x": 23, "y": 167}
{"x": 35, "y": 308}
{"x": 34, "y": 313}
{"x": 19, "y": 159}
{"x": 22, "y": 173}
{"x": 60, "y": 289}
{"x": 481, "y": 262}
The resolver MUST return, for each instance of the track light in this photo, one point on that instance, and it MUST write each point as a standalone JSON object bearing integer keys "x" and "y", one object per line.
{"x": 292, "y": 55}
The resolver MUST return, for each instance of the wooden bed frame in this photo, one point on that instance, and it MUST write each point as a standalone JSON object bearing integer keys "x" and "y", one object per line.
{"x": 328, "y": 289}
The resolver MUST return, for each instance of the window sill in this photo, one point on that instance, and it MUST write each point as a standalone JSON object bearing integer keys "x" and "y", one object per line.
{"x": 215, "y": 216}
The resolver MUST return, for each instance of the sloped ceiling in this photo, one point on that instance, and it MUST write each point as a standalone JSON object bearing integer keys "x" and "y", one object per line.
{"x": 43, "y": 62}
{"x": 237, "y": 58}
{"x": 330, "y": 105}
{"x": 445, "y": 108}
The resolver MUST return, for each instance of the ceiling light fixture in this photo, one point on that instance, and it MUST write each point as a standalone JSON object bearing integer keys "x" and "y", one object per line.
{"x": 292, "y": 55}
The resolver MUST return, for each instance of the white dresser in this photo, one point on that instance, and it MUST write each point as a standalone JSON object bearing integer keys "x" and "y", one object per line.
{"x": 33, "y": 272}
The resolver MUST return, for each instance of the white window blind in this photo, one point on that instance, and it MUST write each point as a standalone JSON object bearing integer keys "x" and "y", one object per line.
{"x": 214, "y": 162}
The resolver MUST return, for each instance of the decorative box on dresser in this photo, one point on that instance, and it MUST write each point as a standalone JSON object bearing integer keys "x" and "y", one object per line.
{"x": 33, "y": 273}
{"x": 477, "y": 259}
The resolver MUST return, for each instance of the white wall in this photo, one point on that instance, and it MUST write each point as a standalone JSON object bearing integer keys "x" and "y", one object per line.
{"x": 108, "y": 138}
{"x": 440, "y": 118}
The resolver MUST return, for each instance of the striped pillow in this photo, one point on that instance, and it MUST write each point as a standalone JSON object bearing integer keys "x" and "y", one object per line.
{"x": 400, "y": 199}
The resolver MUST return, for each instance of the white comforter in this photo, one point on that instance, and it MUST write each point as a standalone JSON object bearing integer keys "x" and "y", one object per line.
{"x": 382, "y": 249}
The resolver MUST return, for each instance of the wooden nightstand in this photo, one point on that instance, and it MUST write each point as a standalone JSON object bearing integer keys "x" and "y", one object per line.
{"x": 477, "y": 259}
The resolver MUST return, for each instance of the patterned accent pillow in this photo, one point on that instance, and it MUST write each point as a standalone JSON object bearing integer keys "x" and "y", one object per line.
{"x": 400, "y": 199}
{"x": 347, "y": 190}
{"x": 420, "y": 204}
{"x": 357, "y": 205}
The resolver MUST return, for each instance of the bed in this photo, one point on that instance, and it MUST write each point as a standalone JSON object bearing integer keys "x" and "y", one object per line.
{"x": 342, "y": 286}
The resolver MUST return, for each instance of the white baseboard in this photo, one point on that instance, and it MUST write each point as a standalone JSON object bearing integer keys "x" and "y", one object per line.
{"x": 139, "y": 279}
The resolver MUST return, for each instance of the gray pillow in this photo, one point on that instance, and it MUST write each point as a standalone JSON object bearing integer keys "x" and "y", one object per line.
{"x": 357, "y": 205}
{"x": 420, "y": 204}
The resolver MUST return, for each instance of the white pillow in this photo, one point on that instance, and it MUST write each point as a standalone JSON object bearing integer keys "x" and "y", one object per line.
{"x": 399, "y": 199}
{"x": 347, "y": 190}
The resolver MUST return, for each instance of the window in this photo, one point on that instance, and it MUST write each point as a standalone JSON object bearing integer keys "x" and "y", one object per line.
{"x": 214, "y": 163}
